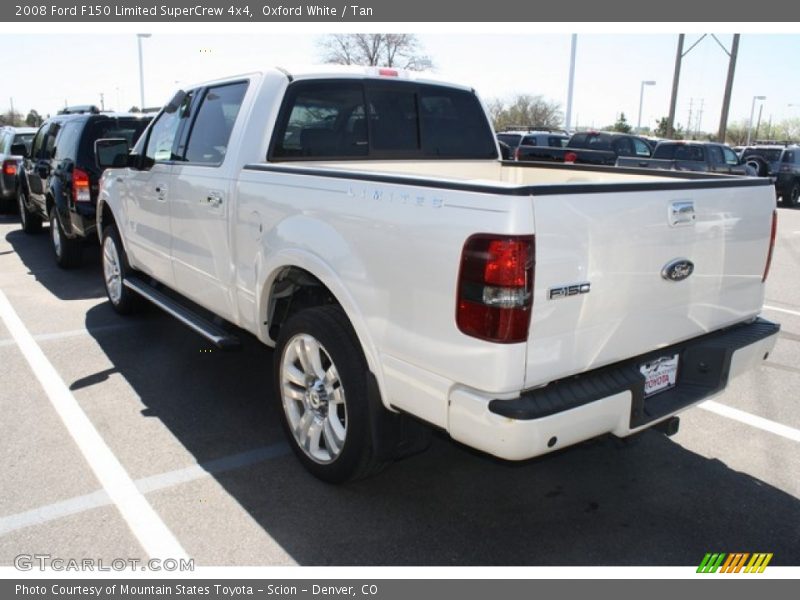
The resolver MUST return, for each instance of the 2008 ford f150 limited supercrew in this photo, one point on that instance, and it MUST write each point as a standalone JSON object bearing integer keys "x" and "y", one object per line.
{"x": 361, "y": 223}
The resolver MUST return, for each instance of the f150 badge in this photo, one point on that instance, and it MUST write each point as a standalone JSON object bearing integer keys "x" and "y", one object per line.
{"x": 564, "y": 291}
{"x": 678, "y": 269}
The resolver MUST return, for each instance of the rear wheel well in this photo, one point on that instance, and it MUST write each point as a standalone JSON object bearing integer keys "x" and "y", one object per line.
{"x": 294, "y": 289}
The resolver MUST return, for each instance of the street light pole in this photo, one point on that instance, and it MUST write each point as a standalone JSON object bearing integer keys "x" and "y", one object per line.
{"x": 139, "y": 37}
{"x": 752, "y": 112}
{"x": 641, "y": 101}
{"x": 571, "y": 84}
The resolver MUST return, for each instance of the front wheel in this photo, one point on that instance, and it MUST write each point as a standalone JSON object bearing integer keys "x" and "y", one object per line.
{"x": 115, "y": 269}
{"x": 321, "y": 388}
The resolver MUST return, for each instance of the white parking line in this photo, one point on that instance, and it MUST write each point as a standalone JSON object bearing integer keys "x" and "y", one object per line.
{"x": 783, "y": 310}
{"x": 155, "y": 537}
{"x": 753, "y": 420}
{"x": 79, "y": 504}
{"x": 62, "y": 335}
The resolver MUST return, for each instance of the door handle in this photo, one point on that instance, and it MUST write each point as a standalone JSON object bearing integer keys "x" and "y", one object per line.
{"x": 214, "y": 199}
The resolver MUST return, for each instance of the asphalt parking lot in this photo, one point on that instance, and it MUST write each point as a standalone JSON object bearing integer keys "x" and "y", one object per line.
{"x": 194, "y": 430}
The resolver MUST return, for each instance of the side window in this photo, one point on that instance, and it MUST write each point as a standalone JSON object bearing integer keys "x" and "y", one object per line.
{"x": 4, "y": 145}
{"x": 529, "y": 141}
{"x": 38, "y": 141}
{"x": 67, "y": 141}
{"x": 50, "y": 141}
{"x": 715, "y": 155}
{"x": 211, "y": 131}
{"x": 730, "y": 156}
{"x": 641, "y": 148}
{"x": 161, "y": 139}
{"x": 623, "y": 147}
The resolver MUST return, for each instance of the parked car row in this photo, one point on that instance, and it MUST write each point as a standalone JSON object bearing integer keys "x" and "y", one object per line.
{"x": 57, "y": 173}
{"x": 15, "y": 142}
{"x": 780, "y": 163}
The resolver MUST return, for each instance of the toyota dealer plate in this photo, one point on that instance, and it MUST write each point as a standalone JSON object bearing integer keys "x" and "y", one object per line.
{"x": 659, "y": 374}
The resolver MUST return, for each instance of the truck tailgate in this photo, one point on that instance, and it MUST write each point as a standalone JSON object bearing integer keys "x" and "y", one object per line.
{"x": 619, "y": 243}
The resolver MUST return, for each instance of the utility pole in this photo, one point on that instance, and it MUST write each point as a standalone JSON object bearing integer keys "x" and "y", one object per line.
{"x": 726, "y": 101}
{"x": 675, "y": 80}
{"x": 758, "y": 123}
{"x": 689, "y": 120}
{"x": 102, "y": 102}
{"x": 699, "y": 118}
{"x": 570, "y": 86}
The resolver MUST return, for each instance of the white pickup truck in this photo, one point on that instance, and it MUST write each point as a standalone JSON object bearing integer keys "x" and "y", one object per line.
{"x": 361, "y": 223}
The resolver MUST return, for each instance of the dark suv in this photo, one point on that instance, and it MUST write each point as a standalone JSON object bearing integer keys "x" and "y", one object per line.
{"x": 15, "y": 142}
{"x": 782, "y": 164}
{"x": 61, "y": 177}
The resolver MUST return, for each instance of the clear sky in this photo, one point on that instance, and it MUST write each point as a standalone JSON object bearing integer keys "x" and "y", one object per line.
{"x": 609, "y": 69}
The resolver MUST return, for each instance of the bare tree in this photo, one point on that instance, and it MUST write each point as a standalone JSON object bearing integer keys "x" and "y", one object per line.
{"x": 400, "y": 50}
{"x": 525, "y": 110}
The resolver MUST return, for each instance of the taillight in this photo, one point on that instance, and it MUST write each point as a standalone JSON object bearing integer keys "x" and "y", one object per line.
{"x": 516, "y": 153}
{"x": 9, "y": 167}
{"x": 80, "y": 186}
{"x": 772, "y": 235}
{"x": 388, "y": 72}
{"x": 495, "y": 288}
{"x": 570, "y": 157}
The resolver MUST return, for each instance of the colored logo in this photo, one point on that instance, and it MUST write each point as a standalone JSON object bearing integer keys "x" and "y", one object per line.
{"x": 735, "y": 562}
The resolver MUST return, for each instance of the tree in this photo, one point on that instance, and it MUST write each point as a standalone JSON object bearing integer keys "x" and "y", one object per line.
{"x": 525, "y": 110}
{"x": 661, "y": 127}
{"x": 34, "y": 119}
{"x": 621, "y": 125}
{"x": 11, "y": 118}
{"x": 400, "y": 50}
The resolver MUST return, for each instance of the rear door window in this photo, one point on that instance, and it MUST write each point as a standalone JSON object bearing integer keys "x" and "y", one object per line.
{"x": 49, "y": 147}
{"x": 715, "y": 155}
{"x": 67, "y": 141}
{"x": 212, "y": 127}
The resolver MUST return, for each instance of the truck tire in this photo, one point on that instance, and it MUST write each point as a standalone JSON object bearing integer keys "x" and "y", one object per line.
{"x": 68, "y": 252}
{"x": 115, "y": 269}
{"x": 793, "y": 196}
{"x": 321, "y": 388}
{"x": 30, "y": 222}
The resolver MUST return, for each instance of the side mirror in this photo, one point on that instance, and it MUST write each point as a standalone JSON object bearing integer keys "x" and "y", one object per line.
{"x": 20, "y": 150}
{"x": 111, "y": 153}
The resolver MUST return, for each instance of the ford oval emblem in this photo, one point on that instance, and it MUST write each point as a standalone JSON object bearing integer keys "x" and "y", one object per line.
{"x": 677, "y": 270}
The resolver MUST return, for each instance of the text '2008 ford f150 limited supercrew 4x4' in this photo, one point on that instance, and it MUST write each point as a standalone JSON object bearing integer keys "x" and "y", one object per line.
{"x": 361, "y": 222}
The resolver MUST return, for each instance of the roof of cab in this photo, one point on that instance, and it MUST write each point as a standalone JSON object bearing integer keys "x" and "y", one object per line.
{"x": 303, "y": 72}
